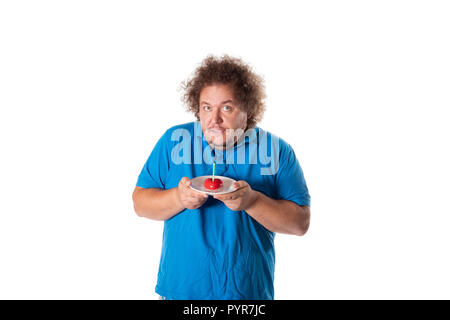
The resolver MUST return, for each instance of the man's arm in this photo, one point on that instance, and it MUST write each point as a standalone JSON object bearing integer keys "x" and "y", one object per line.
{"x": 159, "y": 204}
{"x": 156, "y": 204}
{"x": 280, "y": 216}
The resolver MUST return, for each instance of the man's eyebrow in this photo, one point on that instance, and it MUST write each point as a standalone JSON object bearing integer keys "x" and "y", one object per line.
{"x": 226, "y": 101}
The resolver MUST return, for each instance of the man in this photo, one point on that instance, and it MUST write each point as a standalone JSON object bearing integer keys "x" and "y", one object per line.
{"x": 221, "y": 246}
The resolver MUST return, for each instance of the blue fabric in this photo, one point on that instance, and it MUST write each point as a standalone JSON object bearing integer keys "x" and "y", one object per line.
{"x": 213, "y": 252}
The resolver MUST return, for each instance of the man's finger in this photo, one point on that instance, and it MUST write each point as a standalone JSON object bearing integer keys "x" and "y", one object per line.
{"x": 196, "y": 194}
{"x": 228, "y": 196}
{"x": 185, "y": 181}
{"x": 219, "y": 197}
{"x": 240, "y": 184}
{"x": 204, "y": 196}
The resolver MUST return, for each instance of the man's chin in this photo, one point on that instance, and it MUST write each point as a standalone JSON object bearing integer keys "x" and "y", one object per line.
{"x": 221, "y": 142}
{"x": 216, "y": 140}
{"x": 217, "y": 144}
{"x": 221, "y": 145}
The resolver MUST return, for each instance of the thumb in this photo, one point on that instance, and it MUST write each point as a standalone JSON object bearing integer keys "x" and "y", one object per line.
{"x": 240, "y": 184}
{"x": 186, "y": 181}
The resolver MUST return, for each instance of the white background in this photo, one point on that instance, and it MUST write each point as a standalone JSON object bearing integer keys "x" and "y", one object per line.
{"x": 360, "y": 89}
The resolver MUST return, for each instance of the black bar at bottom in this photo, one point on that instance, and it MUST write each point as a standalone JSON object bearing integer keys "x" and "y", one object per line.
{"x": 222, "y": 309}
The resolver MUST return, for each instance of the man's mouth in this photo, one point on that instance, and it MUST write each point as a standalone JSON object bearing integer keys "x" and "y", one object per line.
{"x": 217, "y": 130}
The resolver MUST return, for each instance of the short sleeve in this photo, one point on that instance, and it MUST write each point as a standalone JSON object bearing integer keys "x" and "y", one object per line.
{"x": 290, "y": 182}
{"x": 154, "y": 172}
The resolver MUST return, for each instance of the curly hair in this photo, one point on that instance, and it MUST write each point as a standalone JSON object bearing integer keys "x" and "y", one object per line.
{"x": 248, "y": 87}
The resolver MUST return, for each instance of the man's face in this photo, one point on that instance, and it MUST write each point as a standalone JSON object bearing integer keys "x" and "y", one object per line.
{"x": 219, "y": 113}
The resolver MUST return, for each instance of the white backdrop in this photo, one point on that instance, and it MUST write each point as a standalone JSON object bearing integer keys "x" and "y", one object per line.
{"x": 360, "y": 89}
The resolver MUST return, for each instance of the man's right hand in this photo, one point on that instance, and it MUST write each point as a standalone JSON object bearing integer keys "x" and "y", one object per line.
{"x": 189, "y": 198}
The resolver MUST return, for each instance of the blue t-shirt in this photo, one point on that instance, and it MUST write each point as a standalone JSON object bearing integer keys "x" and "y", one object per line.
{"x": 214, "y": 252}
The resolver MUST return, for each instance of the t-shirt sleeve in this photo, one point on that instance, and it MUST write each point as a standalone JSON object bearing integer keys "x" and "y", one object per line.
{"x": 290, "y": 182}
{"x": 154, "y": 172}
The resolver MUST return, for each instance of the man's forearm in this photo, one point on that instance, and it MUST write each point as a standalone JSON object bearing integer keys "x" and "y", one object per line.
{"x": 156, "y": 204}
{"x": 280, "y": 216}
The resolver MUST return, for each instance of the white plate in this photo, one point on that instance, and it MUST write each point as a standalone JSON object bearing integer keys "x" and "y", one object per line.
{"x": 227, "y": 187}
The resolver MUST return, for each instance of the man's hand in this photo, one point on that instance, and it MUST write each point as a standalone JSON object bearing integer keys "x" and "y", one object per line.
{"x": 189, "y": 198}
{"x": 241, "y": 199}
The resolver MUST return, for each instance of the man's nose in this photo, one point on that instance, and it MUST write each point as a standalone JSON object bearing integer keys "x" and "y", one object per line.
{"x": 217, "y": 117}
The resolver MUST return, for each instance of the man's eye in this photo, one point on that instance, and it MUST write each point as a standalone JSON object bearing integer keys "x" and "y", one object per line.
{"x": 227, "y": 108}
{"x": 206, "y": 108}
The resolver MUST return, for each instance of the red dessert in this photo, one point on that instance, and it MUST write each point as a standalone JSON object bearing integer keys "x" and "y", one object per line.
{"x": 212, "y": 185}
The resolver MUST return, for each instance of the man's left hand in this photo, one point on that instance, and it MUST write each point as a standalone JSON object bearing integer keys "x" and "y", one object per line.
{"x": 241, "y": 199}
